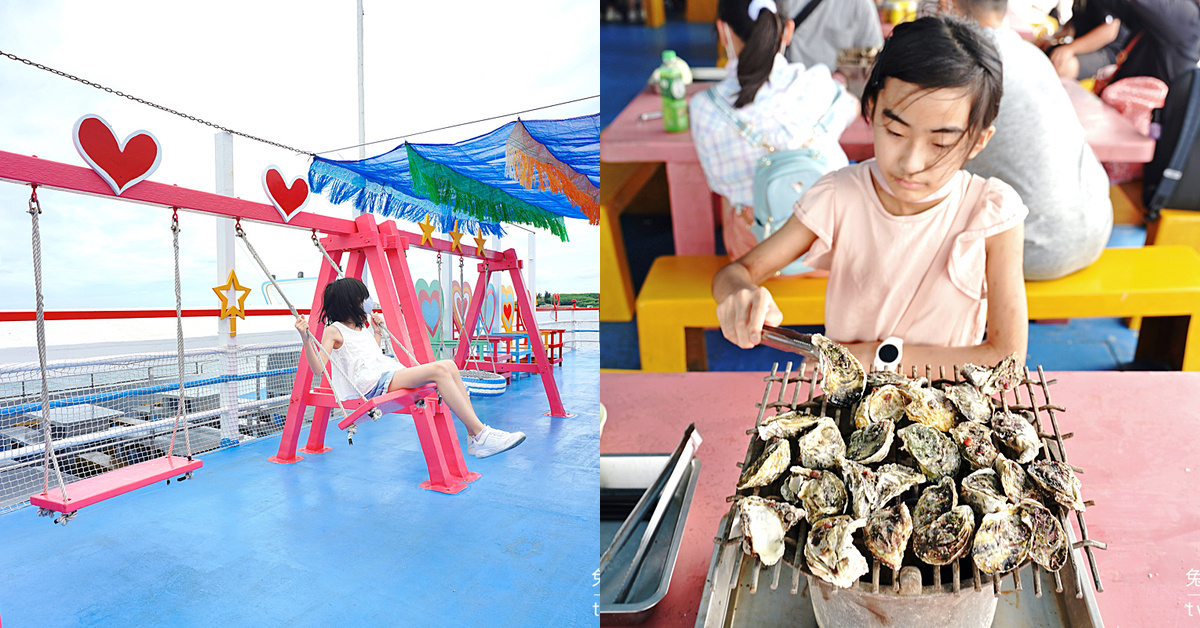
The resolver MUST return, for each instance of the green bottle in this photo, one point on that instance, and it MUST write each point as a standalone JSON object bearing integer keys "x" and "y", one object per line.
{"x": 674, "y": 94}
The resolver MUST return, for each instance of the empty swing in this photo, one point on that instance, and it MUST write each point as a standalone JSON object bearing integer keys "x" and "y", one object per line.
{"x": 107, "y": 485}
{"x": 478, "y": 382}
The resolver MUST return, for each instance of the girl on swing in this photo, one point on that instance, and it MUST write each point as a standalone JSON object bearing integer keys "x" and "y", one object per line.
{"x": 356, "y": 352}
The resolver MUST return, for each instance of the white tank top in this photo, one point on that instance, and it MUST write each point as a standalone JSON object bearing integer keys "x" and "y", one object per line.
{"x": 362, "y": 361}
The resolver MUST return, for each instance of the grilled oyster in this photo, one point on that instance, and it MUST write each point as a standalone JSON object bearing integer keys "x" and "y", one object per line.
{"x": 871, "y": 443}
{"x": 892, "y": 480}
{"x": 821, "y": 448}
{"x": 786, "y": 424}
{"x": 821, "y": 493}
{"x": 935, "y": 501}
{"x": 1002, "y": 542}
{"x": 1017, "y": 435}
{"x": 887, "y": 533}
{"x": 830, "y": 551}
{"x": 929, "y": 406}
{"x": 769, "y": 466}
{"x": 879, "y": 379}
{"x": 844, "y": 375}
{"x": 934, "y": 452}
{"x": 971, "y": 404}
{"x": 975, "y": 443}
{"x": 887, "y": 402}
{"x": 764, "y": 522}
{"x": 947, "y": 538}
{"x": 1059, "y": 480}
{"x": 1048, "y": 543}
{"x": 1004, "y": 376}
{"x": 1016, "y": 483}
{"x": 861, "y": 482}
{"x": 982, "y": 490}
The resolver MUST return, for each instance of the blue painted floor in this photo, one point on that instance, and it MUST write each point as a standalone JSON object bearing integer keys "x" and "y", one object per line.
{"x": 344, "y": 538}
{"x": 630, "y": 53}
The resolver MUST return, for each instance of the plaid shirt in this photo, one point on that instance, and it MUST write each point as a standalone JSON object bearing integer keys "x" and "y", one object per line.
{"x": 785, "y": 111}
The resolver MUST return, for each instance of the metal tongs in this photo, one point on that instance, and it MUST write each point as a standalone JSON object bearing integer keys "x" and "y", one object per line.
{"x": 788, "y": 340}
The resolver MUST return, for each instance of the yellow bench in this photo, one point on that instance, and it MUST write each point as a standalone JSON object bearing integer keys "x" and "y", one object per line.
{"x": 1162, "y": 282}
{"x": 620, "y": 184}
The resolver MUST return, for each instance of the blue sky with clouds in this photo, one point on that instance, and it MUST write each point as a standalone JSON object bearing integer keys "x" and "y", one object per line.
{"x": 284, "y": 71}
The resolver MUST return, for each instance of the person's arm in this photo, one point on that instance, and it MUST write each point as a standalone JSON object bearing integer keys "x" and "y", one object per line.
{"x": 332, "y": 340}
{"x": 1007, "y": 315}
{"x": 1091, "y": 41}
{"x": 743, "y": 305}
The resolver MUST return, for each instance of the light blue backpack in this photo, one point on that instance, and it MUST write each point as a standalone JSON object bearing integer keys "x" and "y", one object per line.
{"x": 781, "y": 176}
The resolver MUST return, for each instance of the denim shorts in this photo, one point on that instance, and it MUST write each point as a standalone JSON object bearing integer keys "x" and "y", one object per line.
{"x": 381, "y": 386}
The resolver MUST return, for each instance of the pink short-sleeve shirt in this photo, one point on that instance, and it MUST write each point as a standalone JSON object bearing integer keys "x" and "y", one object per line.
{"x": 923, "y": 277}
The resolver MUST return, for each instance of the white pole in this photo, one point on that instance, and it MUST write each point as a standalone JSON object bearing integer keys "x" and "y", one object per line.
{"x": 226, "y": 260}
{"x": 362, "y": 107}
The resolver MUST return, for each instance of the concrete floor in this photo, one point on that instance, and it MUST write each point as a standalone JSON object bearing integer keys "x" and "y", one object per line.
{"x": 343, "y": 538}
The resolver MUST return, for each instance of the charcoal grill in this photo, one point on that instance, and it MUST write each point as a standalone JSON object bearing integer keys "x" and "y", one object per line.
{"x": 918, "y": 595}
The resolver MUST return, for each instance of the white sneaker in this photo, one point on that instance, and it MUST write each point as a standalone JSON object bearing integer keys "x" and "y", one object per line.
{"x": 491, "y": 441}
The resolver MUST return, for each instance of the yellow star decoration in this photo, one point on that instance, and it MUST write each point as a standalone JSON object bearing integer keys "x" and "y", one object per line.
{"x": 454, "y": 233}
{"x": 426, "y": 231}
{"x": 228, "y": 309}
{"x": 479, "y": 242}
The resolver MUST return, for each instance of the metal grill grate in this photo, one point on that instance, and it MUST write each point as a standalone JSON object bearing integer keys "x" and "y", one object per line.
{"x": 796, "y": 391}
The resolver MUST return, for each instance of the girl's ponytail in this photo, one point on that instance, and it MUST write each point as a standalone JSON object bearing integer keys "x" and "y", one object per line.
{"x": 761, "y": 36}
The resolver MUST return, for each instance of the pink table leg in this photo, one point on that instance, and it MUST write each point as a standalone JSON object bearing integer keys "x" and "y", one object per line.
{"x": 691, "y": 209}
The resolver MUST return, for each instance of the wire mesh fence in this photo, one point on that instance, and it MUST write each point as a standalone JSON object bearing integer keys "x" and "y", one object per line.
{"x": 109, "y": 413}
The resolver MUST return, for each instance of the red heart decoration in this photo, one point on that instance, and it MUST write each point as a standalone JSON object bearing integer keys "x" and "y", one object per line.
{"x": 288, "y": 199}
{"x": 120, "y": 164}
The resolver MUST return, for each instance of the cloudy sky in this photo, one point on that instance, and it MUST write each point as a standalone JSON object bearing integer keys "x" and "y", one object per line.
{"x": 283, "y": 71}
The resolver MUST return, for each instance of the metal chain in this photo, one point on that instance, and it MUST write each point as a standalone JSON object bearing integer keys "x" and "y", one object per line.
{"x": 35, "y": 210}
{"x": 374, "y": 412}
{"x": 182, "y": 405}
{"x": 150, "y": 104}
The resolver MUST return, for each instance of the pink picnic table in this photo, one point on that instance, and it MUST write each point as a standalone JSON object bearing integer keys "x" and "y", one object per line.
{"x": 694, "y": 210}
{"x": 1132, "y": 437}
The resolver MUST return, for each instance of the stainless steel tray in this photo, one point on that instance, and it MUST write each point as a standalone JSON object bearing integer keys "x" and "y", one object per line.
{"x": 623, "y": 478}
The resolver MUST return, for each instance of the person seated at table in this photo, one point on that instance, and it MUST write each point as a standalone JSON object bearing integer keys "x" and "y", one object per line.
{"x": 830, "y": 26}
{"x": 1092, "y": 39}
{"x": 1040, "y": 149}
{"x": 782, "y": 101}
{"x": 1167, "y": 38}
{"x": 916, "y": 248}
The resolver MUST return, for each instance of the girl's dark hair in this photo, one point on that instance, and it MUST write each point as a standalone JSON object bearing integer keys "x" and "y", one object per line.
{"x": 761, "y": 39}
{"x": 342, "y": 301}
{"x": 938, "y": 52}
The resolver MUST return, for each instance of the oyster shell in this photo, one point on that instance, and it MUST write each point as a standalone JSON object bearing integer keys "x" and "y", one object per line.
{"x": 1017, "y": 434}
{"x": 1017, "y": 484}
{"x": 861, "y": 482}
{"x": 887, "y": 402}
{"x": 786, "y": 424}
{"x": 878, "y": 379}
{"x": 887, "y": 532}
{"x": 935, "y": 453}
{"x": 821, "y": 493}
{"x": 1059, "y": 480}
{"x": 764, "y": 523}
{"x": 1048, "y": 543}
{"x": 1002, "y": 542}
{"x": 982, "y": 490}
{"x": 1004, "y": 376}
{"x": 770, "y": 465}
{"x": 947, "y": 538}
{"x": 891, "y": 480}
{"x": 975, "y": 443}
{"x": 830, "y": 551}
{"x": 844, "y": 376}
{"x": 935, "y": 501}
{"x": 929, "y": 406}
{"x": 971, "y": 404}
{"x": 821, "y": 448}
{"x": 871, "y": 443}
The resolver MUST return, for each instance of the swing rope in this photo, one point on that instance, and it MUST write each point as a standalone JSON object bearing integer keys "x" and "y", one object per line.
{"x": 35, "y": 210}
{"x": 179, "y": 343}
{"x": 341, "y": 274}
{"x": 374, "y": 413}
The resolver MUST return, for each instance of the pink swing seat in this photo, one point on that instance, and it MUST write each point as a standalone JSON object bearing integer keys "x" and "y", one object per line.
{"x": 113, "y": 483}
